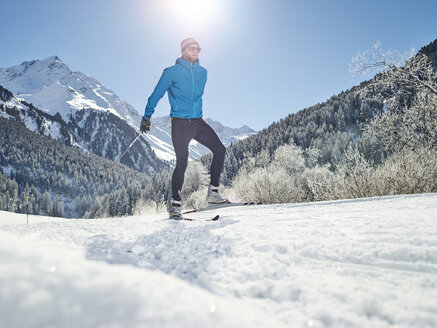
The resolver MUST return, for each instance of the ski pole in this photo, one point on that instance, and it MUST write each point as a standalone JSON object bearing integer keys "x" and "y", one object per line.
{"x": 132, "y": 143}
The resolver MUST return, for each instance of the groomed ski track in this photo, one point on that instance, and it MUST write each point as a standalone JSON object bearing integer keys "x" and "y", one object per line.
{"x": 350, "y": 263}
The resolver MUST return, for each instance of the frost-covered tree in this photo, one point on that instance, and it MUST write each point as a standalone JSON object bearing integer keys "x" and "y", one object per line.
{"x": 398, "y": 72}
{"x": 413, "y": 128}
{"x": 290, "y": 158}
{"x": 407, "y": 85}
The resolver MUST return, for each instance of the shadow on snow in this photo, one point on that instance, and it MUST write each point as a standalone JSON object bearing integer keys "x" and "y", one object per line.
{"x": 182, "y": 249}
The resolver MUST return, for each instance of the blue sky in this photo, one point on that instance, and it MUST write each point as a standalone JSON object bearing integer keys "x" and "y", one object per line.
{"x": 265, "y": 59}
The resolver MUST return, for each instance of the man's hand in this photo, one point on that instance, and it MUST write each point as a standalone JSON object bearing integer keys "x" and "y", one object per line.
{"x": 145, "y": 124}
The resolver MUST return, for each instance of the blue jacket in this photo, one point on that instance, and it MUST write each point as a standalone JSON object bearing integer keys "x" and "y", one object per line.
{"x": 185, "y": 83}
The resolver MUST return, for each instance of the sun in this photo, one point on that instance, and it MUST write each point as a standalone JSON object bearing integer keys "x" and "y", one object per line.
{"x": 193, "y": 13}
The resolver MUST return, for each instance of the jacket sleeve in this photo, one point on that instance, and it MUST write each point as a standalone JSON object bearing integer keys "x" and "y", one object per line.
{"x": 163, "y": 84}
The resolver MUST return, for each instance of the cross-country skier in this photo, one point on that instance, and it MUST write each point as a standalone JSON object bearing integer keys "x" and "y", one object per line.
{"x": 185, "y": 83}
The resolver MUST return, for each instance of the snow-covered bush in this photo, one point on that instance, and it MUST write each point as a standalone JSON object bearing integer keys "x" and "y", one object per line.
{"x": 290, "y": 158}
{"x": 322, "y": 183}
{"x": 269, "y": 185}
{"x": 355, "y": 175}
{"x": 286, "y": 179}
{"x": 149, "y": 207}
{"x": 407, "y": 172}
{"x": 196, "y": 199}
{"x": 277, "y": 182}
{"x": 196, "y": 177}
{"x": 194, "y": 190}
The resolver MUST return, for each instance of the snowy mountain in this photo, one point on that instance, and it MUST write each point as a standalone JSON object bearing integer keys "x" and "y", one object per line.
{"x": 160, "y": 137}
{"x": 34, "y": 119}
{"x": 349, "y": 263}
{"x": 86, "y": 106}
{"x": 49, "y": 84}
{"x": 97, "y": 120}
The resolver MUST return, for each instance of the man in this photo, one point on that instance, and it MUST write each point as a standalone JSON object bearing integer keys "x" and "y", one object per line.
{"x": 185, "y": 82}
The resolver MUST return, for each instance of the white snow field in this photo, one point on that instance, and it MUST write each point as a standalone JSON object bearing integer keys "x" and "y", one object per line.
{"x": 354, "y": 263}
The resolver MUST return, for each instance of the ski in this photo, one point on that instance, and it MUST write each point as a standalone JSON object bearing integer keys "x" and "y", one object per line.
{"x": 222, "y": 205}
{"x": 215, "y": 218}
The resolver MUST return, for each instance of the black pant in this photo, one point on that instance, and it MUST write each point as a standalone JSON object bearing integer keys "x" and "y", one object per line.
{"x": 182, "y": 132}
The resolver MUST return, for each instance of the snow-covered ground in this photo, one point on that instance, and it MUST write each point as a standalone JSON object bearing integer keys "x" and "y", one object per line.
{"x": 357, "y": 263}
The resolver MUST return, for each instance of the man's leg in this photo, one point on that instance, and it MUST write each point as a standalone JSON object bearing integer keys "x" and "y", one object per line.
{"x": 181, "y": 136}
{"x": 207, "y": 137}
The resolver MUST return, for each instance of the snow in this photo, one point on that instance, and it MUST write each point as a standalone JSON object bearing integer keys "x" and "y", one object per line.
{"x": 53, "y": 286}
{"x": 8, "y": 218}
{"x": 13, "y": 102}
{"x": 163, "y": 154}
{"x": 30, "y": 122}
{"x": 52, "y": 99}
{"x": 242, "y": 137}
{"x": 162, "y": 149}
{"x": 352, "y": 263}
{"x": 79, "y": 102}
{"x": 5, "y": 115}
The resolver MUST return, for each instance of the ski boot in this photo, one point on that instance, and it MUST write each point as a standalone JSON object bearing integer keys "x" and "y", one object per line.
{"x": 174, "y": 211}
{"x": 214, "y": 196}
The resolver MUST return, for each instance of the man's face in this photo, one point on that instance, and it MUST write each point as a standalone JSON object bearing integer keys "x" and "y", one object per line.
{"x": 191, "y": 53}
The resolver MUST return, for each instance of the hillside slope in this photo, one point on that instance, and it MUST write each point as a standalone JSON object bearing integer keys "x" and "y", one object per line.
{"x": 328, "y": 127}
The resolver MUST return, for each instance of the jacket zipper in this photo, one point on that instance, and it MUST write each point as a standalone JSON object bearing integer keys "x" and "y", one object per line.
{"x": 192, "y": 92}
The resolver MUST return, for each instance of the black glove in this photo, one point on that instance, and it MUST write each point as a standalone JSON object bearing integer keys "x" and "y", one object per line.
{"x": 145, "y": 124}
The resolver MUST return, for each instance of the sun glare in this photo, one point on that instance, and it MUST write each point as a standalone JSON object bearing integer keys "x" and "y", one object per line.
{"x": 193, "y": 13}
